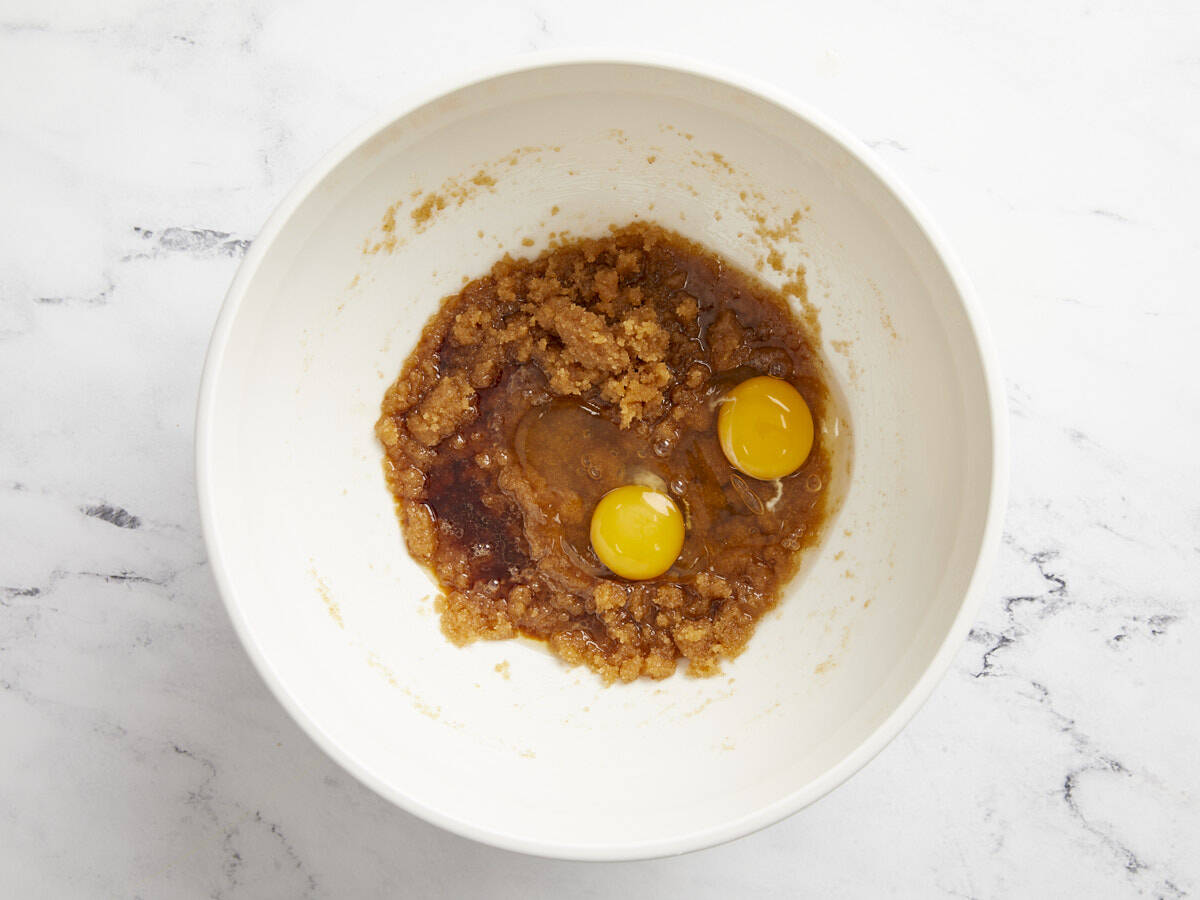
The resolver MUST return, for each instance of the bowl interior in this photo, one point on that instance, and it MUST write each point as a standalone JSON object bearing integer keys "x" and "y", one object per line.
{"x": 306, "y": 545}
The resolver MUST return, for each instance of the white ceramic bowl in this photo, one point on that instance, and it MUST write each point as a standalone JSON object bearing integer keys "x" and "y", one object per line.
{"x": 306, "y": 548}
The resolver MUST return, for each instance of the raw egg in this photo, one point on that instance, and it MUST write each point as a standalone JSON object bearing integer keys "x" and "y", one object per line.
{"x": 637, "y": 531}
{"x": 765, "y": 428}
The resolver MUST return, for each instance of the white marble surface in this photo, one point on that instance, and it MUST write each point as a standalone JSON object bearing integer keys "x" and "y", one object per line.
{"x": 142, "y": 144}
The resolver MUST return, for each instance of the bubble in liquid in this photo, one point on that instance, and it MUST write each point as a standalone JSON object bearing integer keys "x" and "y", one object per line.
{"x": 593, "y": 473}
{"x": 792, "y": 542}
{"x": 663, "y": 447}
{"x": 678, "y": 486}
{"x": 813, "y": 483}
{"x": 752, "y": 500}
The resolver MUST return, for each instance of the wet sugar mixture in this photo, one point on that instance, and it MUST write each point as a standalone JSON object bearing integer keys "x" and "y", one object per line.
{"x": 541, "y": 388}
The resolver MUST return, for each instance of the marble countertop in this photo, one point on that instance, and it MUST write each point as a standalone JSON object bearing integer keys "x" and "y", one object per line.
{"x": 143, "y": 144}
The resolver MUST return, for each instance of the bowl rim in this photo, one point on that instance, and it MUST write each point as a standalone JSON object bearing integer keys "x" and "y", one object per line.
{"x": 894, "y": 722}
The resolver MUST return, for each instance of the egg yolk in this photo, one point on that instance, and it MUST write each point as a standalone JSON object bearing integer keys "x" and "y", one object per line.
{"x": 765, "y": 428}
{"x": 637, "y": 531}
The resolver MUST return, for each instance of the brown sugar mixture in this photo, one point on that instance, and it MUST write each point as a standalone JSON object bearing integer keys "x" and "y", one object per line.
{"x": 547, "y": 383}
